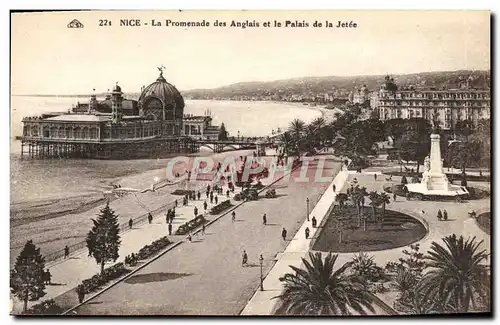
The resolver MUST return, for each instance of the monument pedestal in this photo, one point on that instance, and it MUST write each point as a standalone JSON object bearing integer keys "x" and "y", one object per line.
{"x": 434, "y": 181}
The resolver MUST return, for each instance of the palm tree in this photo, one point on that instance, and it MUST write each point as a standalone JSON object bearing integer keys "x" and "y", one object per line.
{"x": 296, "y": 129}
{"x": 341, "y": 198}
{"x": 456, "y": 276}
{"x": 384, "y": 199}
{"x": 358, "y": 196}
{"x": 375, "y": 202}
{"x": 319, "y": 124}
{"x": 286, "y": 142}
{"x": 311, "y": 137}
{"x": 319, "y": 290}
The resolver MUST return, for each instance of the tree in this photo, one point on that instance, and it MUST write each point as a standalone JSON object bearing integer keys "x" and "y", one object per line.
{"x": 339, "y": 224}
{"x": 103, "y": 240}
{"x": 465, "y": 154}
{"x": 27, "y": 276}
{"x": 375, "y": 202}
{"x": 413, "y": 146}
{"x": 319, "y": 290}
{"x": 366, "y": 269}
{"x": 358, "y": 196}
{"x": 296, "y": 129}
{"x": 341, "y": 198}
{"x": 456, "y": 275}
{"x": 384, "y": 199}
{"x": 222, "y": 133}
{"x": 464, "y": 128}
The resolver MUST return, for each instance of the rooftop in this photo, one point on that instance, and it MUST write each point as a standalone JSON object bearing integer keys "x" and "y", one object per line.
{"x": 80, "y": 118}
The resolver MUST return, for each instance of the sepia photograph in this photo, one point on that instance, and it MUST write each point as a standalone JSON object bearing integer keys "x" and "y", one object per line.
{"x": 250, "y": 163}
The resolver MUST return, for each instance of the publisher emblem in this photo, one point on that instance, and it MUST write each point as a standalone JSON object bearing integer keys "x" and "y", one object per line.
{"x": 75, "y": 24}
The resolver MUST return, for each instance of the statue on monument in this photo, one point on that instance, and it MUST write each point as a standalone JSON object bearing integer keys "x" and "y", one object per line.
{"x": 427, "y": 163}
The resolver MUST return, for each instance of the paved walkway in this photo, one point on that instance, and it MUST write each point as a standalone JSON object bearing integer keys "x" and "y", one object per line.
{"x": 206, "y": 277}
{"x": 262, "y": 302}
{"x": 68, "y": 273}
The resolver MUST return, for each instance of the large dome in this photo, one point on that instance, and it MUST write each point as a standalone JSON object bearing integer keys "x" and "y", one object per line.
{"x": 161, "y": 96}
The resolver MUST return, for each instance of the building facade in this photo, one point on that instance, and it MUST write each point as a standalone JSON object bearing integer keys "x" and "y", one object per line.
{"x": 446, "y": 106}
{"x": 105, "y": 130}
{"x": 200, "y": 127}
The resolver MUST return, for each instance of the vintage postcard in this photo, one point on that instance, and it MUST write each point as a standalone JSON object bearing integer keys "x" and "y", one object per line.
{"x": 242, "y": 163}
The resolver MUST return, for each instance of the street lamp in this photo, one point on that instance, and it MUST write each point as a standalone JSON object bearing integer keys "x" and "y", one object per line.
{"x": 238, "y": 135}
{"x": 307, "y": 203}
{"x": 261, "y": 260}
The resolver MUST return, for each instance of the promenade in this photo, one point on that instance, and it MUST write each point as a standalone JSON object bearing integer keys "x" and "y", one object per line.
{"x": 206, "y": 277}
{"x": 68, "y": 273}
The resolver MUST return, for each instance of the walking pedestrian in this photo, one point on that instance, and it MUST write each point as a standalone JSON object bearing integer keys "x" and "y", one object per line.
{"x": 233, "y": 216}
{"x": 199, "y": 195}
{"x": 307, "y": 232}
{"x": 176, "y": 203}
{"x": 244, "y": 260}
{"x": 439, "y": 215}
{"x": 205, "y": 206}
{"x": 190, "y": 238}
{"x": 283, "y": 234}
{"x": 66, "y": 251}
{"x": 47, "y": 277}
{"x": 216, "y": 199}
{"x": 195, "y": 212}
{"x": 314, "y": 221}
{"x": 170, "y": 229}
{"x": 167, "y": 217}
{"x": 375, "y": 177}
{"x": 150, "y": 217}
{"x": 208, "y": 193}
{"x": 130, "y": 223}
{"x": 227, "y": 193}
{"x": 445, "y": 215}
{"x": 208, "y": 188}
{"x": 80, "y": 291}
{"x": 212, "y": 199}
{"x": 394, "y": 197}
{"x": 203, "y": 229}
{"x": 264, "y": 219}
{"x": 334, "y": 188}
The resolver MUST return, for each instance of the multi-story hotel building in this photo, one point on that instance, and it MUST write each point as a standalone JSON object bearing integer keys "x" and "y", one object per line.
{"x": 446, "y": 106}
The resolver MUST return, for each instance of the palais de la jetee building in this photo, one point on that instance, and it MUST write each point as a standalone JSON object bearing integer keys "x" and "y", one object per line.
{"x": 114, "y": 128}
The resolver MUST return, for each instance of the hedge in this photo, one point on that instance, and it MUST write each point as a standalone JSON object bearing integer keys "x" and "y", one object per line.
{"x": 183, "y": 192}
{"x": 220, "y": 207}
{"x": 47, "y": 307}
{"x": 190, "y": 225}
{"x": 148, "y": 251}
{"x": 110, "y": 273}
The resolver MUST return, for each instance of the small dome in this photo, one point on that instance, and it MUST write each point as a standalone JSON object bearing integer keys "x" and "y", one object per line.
{"x": 161, "y": 94}
{"x": 117, "y": 89}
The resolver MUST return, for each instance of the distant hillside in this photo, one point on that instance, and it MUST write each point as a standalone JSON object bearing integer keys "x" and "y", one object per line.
{"x": 321, "y": 85}
{"x": 317, "y": 85}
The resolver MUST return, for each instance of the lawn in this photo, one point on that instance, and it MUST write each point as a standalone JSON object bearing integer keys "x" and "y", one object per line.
{"x": 398, "y": 230}
{"x": 484, "y": 222}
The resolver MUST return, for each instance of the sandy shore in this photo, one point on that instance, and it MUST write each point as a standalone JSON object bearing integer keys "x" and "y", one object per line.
{"x": 54, "y": 223}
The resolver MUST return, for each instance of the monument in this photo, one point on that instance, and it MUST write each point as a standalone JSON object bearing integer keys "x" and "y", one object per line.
{"x": 434, "y": 182}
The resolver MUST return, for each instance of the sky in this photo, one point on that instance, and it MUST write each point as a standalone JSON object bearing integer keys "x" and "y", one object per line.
{"x": 49, "y": 58}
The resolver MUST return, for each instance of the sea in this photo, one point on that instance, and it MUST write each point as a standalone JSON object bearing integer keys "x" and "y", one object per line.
{"x": 34, "y": 180}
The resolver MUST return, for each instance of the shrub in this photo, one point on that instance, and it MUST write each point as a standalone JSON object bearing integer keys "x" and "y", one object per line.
{"x": 190, "y": 225}
{"x": 111, "y": 273}
{"x": 47, "y": 307}
{"x": 220, "y": 207}
{"x": 477, "y": 193}
{"x": 404, "y": 181}
{"x": 183, "y": 192}
{"x": 153, "y": 248}
{"x": 364, "y": 267}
